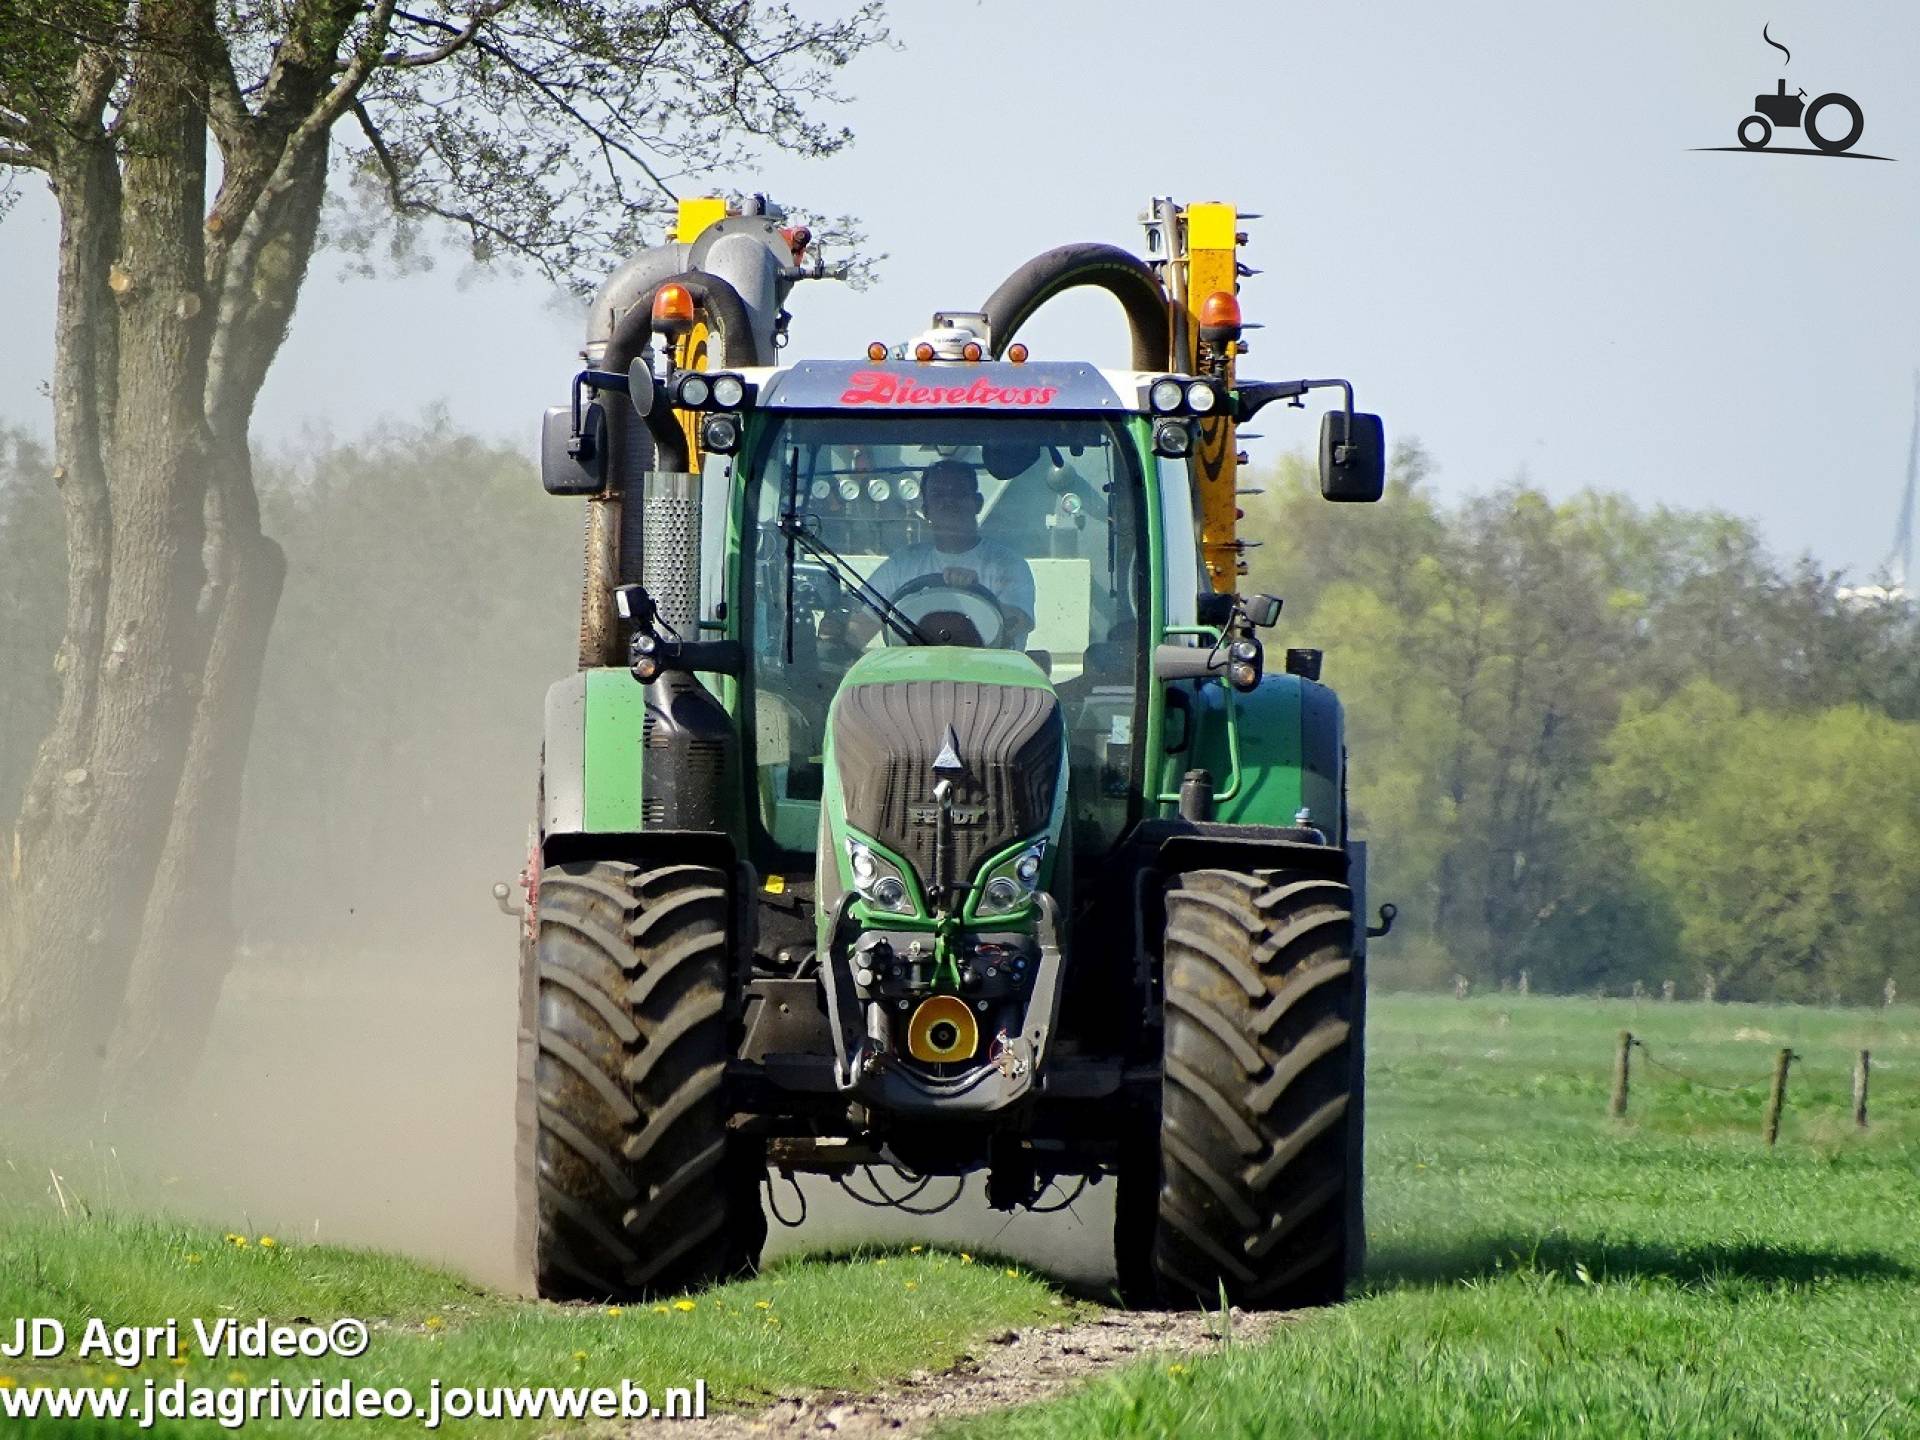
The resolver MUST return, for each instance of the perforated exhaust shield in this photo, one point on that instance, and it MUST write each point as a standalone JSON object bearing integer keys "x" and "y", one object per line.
{"x": 670, "y": 547}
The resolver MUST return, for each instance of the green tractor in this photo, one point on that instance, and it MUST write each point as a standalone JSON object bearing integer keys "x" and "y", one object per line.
{"x": 924, "y": 798}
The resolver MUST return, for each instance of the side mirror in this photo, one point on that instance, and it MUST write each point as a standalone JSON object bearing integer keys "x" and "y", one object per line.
{"x": 1262, "y": 611}
{"x": 1353, "y": 456}
{"x": 640, "y": 384}
{"x": 574, "y": 462}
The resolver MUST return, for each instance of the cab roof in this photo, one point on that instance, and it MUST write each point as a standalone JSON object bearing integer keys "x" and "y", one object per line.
{"x": 1036, "y": 387}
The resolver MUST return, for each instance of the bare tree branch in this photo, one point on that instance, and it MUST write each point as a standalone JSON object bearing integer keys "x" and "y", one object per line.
{"x": 461, "y": 37}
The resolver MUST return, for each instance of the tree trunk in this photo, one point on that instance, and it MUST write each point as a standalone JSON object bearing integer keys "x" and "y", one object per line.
{"x": 187, "y": 943}
{"x": 88, "y": 870}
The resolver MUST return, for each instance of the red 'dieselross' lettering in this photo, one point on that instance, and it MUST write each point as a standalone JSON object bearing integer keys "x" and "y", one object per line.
{"x": 879, "y": 387}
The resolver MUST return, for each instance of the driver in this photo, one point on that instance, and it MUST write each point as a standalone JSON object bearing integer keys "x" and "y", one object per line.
{"x": 956, "y": 554}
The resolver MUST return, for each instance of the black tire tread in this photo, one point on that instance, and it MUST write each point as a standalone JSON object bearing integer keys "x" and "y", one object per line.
{"x": 1262, "y": 1020}
{"x": 638, "y": 1188}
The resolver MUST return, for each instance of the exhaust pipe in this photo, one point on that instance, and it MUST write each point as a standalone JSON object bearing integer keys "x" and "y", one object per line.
{"x": 615, "y": 539}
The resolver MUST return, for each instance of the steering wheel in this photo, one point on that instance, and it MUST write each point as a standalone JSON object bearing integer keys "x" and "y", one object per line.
{"x": 952, "y": 614}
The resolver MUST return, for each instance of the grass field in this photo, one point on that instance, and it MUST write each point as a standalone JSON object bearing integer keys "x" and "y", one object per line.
{"x": 1537, "y": 1269}
{"x": 847, "y": 1322}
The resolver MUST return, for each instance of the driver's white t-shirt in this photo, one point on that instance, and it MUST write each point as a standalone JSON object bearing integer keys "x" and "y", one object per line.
{"x": 997, "y": 568}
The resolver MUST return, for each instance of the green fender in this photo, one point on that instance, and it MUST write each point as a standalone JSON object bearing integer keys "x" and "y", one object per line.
{"x": 1292, "y": 753}
{"x": 592, "y": 754}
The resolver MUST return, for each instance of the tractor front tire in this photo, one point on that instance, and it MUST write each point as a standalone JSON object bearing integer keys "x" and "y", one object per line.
{"x": 1259, "y": 1135}
{"x": 631, "y": 1183}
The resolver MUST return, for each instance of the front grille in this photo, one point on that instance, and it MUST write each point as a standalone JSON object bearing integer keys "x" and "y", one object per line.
{"x": 886, "y": 737}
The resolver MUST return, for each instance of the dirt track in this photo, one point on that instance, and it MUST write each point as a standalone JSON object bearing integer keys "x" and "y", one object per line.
{"x": 1011, "y": 1369}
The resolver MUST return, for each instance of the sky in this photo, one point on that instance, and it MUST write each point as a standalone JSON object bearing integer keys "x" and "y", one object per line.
{"x": 1491, "y": 217}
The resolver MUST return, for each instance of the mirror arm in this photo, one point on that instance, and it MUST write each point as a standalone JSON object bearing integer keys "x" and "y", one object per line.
{"x": 1251, "y": 398}
{"x": 599, "y": 380}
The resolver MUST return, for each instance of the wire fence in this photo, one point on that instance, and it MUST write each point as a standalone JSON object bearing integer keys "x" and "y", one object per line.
{"x": 1775, "y": 1085}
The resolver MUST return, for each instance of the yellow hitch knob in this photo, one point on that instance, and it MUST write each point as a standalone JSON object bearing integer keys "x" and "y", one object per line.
{"x": 942, "y": 1029}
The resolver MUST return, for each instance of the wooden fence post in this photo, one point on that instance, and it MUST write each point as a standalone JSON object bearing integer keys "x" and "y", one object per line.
{"x": 1617, "y": 1107}
{"x": 1777, "y": 1097}
{"x": 1860, "y": 1068}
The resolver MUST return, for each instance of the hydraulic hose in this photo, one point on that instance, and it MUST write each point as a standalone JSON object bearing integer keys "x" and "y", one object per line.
{"x": 1122, "y": 274}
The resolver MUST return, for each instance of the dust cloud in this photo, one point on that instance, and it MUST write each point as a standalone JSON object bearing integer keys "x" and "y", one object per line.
{"x": 358, "y": 1087}
{"x": 369, "y": 1101}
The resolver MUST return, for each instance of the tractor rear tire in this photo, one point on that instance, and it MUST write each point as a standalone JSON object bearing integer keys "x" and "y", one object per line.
{"x": 631, "y": 1183}
{"x": 1259, "y": 1181}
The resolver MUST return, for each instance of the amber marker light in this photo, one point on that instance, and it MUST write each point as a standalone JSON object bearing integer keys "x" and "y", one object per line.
{"x": 1220, "y": 318}
{"x": 1017, "y": 353}
{"x": 923, "y": 352}
{"x": 876, "y": 352}
{"x": 970, "y": 350}
{"x": 672, "y": 309}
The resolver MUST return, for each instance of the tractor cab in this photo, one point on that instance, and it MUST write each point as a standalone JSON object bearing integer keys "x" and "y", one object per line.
{"x": 1013, "y": 516}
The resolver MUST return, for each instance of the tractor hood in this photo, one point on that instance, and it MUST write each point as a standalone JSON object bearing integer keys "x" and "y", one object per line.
{"x": 984, "y": 721}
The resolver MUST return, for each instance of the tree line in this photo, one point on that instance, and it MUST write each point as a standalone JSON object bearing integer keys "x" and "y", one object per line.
{"x": 1592, "y": 742}
{"x": 1596, "y": 743}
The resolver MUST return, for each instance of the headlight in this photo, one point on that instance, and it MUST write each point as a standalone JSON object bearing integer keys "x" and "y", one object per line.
{"x": 1012, "y": 881}
{"x": 693, "y": 391}
{"x": 1171, "y": 437}
{"x": 849, "y": 488}
{"x": 729, "y": 391}
{"x": 1201, "y": 397}
{"x": 721, "y": 433}
{"x": 1165, "y": 395}
{"x": 877, "y": 881}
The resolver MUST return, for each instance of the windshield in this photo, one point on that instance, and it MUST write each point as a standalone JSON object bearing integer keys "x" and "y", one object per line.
{"x": 1009, "y": 532}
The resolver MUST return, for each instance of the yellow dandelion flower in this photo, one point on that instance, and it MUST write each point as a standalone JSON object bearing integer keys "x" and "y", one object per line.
{"x": 434, "y": 1322}
{"x": 579, "y": 1357}
{"x": 179, "y": 1359}
{"x": 913, "y": 1284}
{"x": 6, "y": 1382}
{"x": 763, "y": 1304}
{"x": 880, "y": 1262}
{"x": 774, "y": 1320}
{"x": 1176, "y": 1368}
{"x": 684, "y": 1305}
{"x": 193, "y": 1259}
{"x": 915, "y": 1249}
{"x": 965, "y": 1259}
{"x": 267, "y": 1242}
{"x": 661, "y": 1310}
{"x": 239, "y": 1242}
{"x": 236, "y": 1377}
{"x": 1013, "y": 1274}
{"x": 615, "y": 1310}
